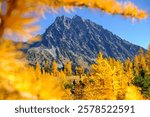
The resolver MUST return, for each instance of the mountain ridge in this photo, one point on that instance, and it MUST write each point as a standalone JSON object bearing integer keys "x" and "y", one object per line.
{"x": 78, "y": 40}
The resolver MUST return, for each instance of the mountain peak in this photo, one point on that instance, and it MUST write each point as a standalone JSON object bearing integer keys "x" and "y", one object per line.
{"x": 77, "y": 18}
{"x": 62, "y": 19}
{"x": 80, "y": 40}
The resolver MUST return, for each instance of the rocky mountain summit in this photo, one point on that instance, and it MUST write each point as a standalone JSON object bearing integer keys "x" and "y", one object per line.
{"x": 78, "y": 40}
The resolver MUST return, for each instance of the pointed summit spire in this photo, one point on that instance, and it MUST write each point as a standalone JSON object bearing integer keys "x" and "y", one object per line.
{"x": 62, "y": 21}
{"x": 62, "y": 18}
{"x": 76, "y": 17}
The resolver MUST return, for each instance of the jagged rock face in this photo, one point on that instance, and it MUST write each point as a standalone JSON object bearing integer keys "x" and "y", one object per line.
{"x": 80, "y": 40}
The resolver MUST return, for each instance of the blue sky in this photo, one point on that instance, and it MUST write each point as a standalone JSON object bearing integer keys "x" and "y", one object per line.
{"x": 137, "y": 32}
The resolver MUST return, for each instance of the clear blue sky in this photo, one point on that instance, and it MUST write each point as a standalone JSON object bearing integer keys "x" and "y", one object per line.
{"x": 137, "y": 32}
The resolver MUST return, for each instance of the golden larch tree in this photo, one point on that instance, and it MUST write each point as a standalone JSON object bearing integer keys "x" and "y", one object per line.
{"x": 128, "y": 67}
{"x": 79, "y": 70}
{"x": 54, "y": 68}
{"x": 47, "y": 66}
{"x": 148, "y": 59}
{"x": 68, "y": 68}
{"x": 100, "y": 85}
